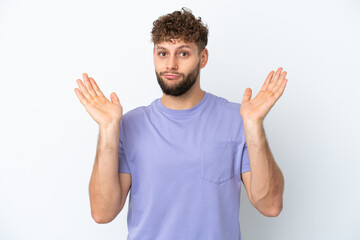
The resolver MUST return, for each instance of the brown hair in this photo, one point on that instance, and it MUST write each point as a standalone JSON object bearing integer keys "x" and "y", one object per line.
{"x": 180, "y": 25}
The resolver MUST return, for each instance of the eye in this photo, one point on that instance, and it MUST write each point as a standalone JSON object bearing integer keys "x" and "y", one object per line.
{"x": 160, "y": 53}
{"x": 184, "y": 53}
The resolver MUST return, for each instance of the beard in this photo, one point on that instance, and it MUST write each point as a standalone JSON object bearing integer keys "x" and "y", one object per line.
{"x": 182, "y": 86}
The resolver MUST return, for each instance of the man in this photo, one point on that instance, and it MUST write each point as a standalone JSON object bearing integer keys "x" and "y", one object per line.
{"x": 185, "y": 155}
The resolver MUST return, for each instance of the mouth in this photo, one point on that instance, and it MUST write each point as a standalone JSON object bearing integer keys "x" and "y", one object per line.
{"x": 171, "y": 76}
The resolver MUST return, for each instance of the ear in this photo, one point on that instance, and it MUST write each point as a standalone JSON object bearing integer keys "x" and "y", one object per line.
{"x": 204, "y": 55}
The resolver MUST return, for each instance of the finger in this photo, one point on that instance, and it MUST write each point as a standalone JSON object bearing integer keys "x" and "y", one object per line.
{"x": 83, "y": 90}
{"x": 280, "y": 81}
{"x": 114, "y": 98}
{"x": 247, "y": 95}
{"x": 267, "y": 81}
{"x": 275, "y": 78}
{"x": 281, "y": 89}
{"x": 81, "y": 97}
{"x": 88, "y": 85}
{"x": 96, "y": 87}
{"x": 89, "y": 107}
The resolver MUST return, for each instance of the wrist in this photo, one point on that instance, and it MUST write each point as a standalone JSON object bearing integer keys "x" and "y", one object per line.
{"x": 252, "y": 123}
{"x": 110, "y": 126}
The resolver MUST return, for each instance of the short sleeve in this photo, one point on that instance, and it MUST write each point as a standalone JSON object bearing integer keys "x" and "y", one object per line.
{"x": 245, "y": 164}
{"x": 123, "y": 165}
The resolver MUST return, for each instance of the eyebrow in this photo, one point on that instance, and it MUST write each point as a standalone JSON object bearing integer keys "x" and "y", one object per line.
{"x": 182, "y": 46}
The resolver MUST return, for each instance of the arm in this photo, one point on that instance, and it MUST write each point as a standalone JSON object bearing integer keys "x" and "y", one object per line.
{"x": 104, "y": 186}
{"x": 264, "y": 183}
{"x": 107, "y": 188}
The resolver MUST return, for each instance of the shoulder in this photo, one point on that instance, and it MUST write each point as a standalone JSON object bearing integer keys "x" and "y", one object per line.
{"x": 226, "y": 107}
{"x": 223, "y": 102}
{"x": 133, "y": 115}
{"x": 136, "y": 115}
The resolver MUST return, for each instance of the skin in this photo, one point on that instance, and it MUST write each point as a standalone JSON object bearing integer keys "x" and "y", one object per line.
{"x": 173, "y": 57}
{"x": 264, "y": 184}
{"x": 108, "y": 189}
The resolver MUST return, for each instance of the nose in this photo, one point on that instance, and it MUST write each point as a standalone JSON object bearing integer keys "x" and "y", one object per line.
{"x": 171, "y": 63}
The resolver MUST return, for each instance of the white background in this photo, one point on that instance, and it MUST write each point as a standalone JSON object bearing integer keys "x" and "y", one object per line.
{"x": 48, "y": 140}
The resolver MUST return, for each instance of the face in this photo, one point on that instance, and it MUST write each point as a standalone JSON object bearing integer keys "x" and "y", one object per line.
{"x": 177, "y": 66}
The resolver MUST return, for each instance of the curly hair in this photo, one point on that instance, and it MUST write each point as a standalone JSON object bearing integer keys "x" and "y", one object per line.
{"x": 180, "y": 25}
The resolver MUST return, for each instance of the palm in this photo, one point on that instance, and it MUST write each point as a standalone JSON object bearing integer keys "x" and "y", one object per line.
{"x": 103, "y": 111}
{"x": 96, "y": 104}
{"x": 257, "y": 108}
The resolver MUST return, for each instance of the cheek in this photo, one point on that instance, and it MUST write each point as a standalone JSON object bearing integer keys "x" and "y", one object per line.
{"x": 157, "y": 67}
{"x": 158, "y": 63}
{"x": 189, "y": 67}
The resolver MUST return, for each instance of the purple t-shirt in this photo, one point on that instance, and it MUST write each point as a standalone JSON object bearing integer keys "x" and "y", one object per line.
{"x": 185, "y": 167}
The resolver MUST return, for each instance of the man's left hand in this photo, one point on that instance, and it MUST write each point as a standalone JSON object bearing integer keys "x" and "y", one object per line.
{"x": 256, "y": 109}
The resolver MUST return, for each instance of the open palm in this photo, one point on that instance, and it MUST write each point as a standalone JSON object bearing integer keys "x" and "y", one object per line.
{"x": 257, "y": 108}
{"x": 103, "y": 111}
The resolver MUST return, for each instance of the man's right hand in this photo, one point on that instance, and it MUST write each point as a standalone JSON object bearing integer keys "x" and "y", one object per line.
{"x": 104, "y": 112}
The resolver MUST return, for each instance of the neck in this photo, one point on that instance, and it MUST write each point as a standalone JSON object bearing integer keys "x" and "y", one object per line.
{"x": 185, "y": 101}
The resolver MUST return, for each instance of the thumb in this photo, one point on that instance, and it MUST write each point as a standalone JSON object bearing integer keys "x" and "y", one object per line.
{"x": 114, "y": 98}
{"x": 247, "y": 94}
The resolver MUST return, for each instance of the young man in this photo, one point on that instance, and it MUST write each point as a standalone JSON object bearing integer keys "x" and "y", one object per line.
{"x": 185, "y": 155}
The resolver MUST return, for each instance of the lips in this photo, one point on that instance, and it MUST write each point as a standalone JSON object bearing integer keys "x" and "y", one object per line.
{"x": 171, "y": 76}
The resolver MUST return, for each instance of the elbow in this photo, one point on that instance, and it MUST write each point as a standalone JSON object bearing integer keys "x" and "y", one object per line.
{"x": 104, "y": 215}
{"x": 101, "y": 218}
{"x": 269, "y": 207}
{"x": 274, "y": 210}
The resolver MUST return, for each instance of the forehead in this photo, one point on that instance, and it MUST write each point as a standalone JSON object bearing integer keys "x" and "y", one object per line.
{"x": 176, "y": 44}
